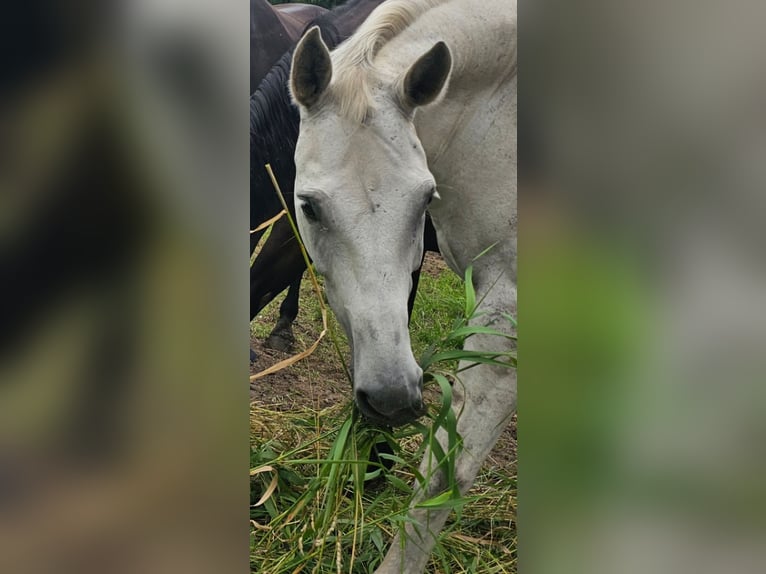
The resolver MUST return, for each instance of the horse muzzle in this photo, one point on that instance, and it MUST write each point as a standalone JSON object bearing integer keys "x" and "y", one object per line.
{"x": 393, "y": 404}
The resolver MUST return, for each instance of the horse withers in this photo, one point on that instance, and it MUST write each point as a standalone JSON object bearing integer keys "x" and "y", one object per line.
{"x": 416, "y": 112}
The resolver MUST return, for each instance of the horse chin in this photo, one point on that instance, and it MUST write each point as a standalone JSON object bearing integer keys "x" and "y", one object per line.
{"x": 394, "y": 419}
{"x": 398, "y": 419}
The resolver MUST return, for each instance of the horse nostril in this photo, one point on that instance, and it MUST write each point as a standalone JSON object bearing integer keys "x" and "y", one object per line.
{"x": 363, "y": 400}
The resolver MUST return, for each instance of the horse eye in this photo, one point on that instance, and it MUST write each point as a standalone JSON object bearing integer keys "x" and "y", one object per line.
{"x": 308, "y": 210}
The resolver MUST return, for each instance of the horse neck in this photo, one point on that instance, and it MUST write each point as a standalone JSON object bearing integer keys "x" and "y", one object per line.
{"x": 483, "y": 50}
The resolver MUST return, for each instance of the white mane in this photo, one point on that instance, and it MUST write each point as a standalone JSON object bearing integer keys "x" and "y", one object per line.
{"x": 353, "y": 60}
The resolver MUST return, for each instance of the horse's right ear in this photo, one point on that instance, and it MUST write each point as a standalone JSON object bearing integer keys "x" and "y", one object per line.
{"x": 311, "y": 70}
{"x": 425, "y": 80}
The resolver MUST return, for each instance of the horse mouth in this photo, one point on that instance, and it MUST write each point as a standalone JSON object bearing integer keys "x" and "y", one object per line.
{"x": 396, "y": 418}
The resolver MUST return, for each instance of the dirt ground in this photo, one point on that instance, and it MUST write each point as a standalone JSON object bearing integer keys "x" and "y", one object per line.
{"x": 318, "y": 381}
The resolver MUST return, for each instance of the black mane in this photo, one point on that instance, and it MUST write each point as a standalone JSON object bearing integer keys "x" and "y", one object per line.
{"x": 274, "y": 124}
{"x": 273, "y": 117}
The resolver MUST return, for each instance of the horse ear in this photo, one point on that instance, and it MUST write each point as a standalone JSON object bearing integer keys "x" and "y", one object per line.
{"x": 426, "y": 78}
{"x": 311, "y": 70}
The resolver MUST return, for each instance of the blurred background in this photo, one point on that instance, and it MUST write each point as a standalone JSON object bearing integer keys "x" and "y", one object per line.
{"x": 123, "y": 276}
{"x": 642, "y": 296}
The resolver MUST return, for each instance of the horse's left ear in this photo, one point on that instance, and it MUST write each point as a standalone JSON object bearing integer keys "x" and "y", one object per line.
{"x": 425, "y": 80}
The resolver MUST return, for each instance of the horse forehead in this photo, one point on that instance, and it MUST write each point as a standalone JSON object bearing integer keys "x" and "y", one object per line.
{"x": 333, "y": 147}
{"x": 329, "y": 129}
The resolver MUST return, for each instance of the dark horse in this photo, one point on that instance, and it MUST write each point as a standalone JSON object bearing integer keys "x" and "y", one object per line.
{"x": 274, "y": 123}
{"x": 273, "y": 31}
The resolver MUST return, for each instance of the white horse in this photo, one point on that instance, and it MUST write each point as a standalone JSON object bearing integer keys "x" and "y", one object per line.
{"x": 422, "y": 96}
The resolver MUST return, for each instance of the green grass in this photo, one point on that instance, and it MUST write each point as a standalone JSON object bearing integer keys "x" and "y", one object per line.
{"x": 320, "y": 520}
{"x": 439, "y": 302}
{"x": 320, "y": 515}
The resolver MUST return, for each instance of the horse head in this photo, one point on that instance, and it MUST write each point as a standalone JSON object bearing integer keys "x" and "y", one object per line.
{"x": 361, "y": 191}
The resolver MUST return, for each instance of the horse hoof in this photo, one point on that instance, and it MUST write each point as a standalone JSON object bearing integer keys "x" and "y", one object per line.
{"x": 253, "y": 356}
{"x": 280, "y": 341}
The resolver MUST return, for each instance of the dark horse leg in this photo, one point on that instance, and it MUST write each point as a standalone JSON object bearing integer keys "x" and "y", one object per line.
{"x": 278, "y": 266}
{"x": 281, "y": 337}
